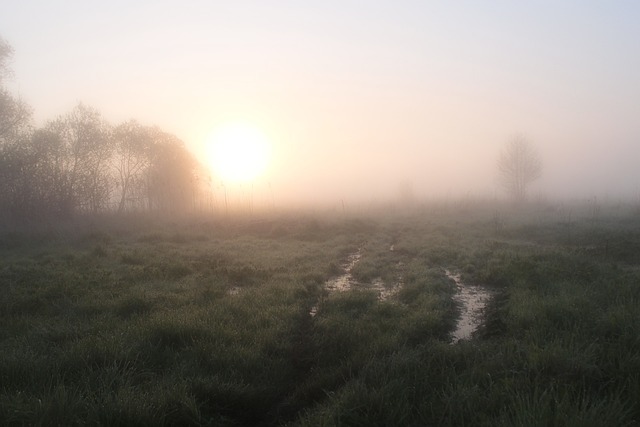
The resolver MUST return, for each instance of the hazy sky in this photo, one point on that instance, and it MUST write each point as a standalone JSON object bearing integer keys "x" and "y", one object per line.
{"x": 356, "y": 97}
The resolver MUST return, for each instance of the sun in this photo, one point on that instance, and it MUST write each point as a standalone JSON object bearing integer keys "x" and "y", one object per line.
{"x": 238, "y": 152}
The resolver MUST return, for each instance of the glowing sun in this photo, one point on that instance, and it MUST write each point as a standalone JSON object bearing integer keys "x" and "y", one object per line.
{"x": 238, "y": 152}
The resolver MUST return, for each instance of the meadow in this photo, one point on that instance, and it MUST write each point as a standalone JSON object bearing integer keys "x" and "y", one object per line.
{"x": 229, "y": 322}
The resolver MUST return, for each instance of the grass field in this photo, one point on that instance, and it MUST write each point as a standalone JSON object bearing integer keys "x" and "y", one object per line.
{"x": 207, "y": 321}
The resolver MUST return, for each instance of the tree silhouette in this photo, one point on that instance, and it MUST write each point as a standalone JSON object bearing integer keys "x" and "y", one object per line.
{"x": 519, "y": 165}
{"x": 171, "y": 175}
{"x": 15, "y": 156}
{"x": 79, "y": 164}
{"x": 84, "y": 141}
{"x": 15, "y": 115}
{"x": 133, "y": 155}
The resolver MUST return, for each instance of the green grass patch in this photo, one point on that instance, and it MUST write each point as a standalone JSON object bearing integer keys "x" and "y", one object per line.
{"x": 229, "y": 322}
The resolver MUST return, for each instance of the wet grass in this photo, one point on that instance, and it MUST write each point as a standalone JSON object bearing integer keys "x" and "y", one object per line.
{"x": 207, "y": 322}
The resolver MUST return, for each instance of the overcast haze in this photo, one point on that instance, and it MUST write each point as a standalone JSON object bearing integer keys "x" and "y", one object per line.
{"x": 356, "y": 97}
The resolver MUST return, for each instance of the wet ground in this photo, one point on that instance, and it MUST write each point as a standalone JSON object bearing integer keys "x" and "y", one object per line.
{"x": 346, "y": 281}
{"x": 472, "y": 299}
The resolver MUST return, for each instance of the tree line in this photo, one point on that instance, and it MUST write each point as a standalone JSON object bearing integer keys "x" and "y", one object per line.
{"x": 79, "y": 163}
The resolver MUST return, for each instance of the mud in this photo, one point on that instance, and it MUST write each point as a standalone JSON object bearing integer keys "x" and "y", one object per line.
{"x": 346, "y": 281}
{"x": 472, "y": 299}
{"x": 385, "y": 292}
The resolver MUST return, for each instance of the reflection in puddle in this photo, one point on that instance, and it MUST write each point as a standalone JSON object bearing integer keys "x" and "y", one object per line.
{"x": 472, "y": 299}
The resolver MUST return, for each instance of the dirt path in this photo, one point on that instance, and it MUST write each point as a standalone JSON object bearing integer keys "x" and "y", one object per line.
{"x": 473, "y": 299}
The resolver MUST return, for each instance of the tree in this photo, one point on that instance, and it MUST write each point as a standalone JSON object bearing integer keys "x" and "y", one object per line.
{"x": 5, "y": 53}
{"x": 133, "y": 155}
{"x": 51, "y": 171}
{"x": 171, "y": 176}
{"x": 80, "y": 149}
{"x": 15, "y": 156}
{"x": 79, "y": 163}
{"x": 15, "y": 115}
{"x": 519, "y": 165}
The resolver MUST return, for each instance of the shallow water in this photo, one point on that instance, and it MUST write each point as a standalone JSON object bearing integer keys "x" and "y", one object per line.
{"x": 346, "y": 281}
{"x": 472, "y": 299}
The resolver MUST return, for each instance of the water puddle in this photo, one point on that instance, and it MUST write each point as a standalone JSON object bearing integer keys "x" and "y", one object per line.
{"x": 346, "y": 281}
{"x": 472, "y": 299}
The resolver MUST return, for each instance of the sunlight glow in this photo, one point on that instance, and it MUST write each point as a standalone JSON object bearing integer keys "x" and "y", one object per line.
{"x": 238, "y": 152}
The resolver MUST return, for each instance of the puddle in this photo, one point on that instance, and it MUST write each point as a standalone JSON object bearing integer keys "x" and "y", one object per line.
{"x": 346, "y": 281}
{"x": 473, "y": 299}
{"x": 343, "y": 282}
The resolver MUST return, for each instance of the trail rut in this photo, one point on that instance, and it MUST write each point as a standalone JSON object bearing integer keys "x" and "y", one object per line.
{"x": 472, "y": 299}
{"x": 346, "y": 282}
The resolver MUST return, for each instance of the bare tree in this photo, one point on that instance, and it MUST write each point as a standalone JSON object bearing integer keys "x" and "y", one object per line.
{"x": 519, "y": 165}
{"x": 15, "y": 115}
{"x": 80, "y": 146}
{"x": 15, "y": 156}
{"x": 5, "y": 53}
{"x": 133, "y": 155}
{"x": 79, "y": 163}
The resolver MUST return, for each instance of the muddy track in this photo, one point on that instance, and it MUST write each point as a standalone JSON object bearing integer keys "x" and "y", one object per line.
{"x": 346, "y": 281}
{"x": 472, "y": 300}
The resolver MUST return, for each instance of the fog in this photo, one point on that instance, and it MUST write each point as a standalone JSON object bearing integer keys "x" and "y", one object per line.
{"x": 360, "y": 103}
